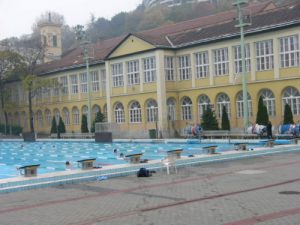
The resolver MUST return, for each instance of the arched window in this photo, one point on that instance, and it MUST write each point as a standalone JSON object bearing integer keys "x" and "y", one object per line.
{"x": 203, "y": 104}
{"x": 152, "y": 111}
{"x": 66, "y": 116}
{"x": 171, "y": 103}
{"x": 269, "y": 101}
{"x": 223, "y": 100}
{"x": 240, "y": 105}
{"x": 39, "y": 118}
{"x": 24, "y": 119}
{"x": 119, "y": 113}
{"x": 135, "y": 113}
{"x": 48, "y": 116}
{"x": 85, "y": 110}
{"x": 291, "y": 96}
{"x": 95, "y": 110}
{"x": 75, "y": 116}
{"x": 186, "y": 108}
{"x": 57, "y": 115}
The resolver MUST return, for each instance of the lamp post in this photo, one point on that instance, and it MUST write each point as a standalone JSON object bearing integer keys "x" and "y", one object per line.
{"x": 241, "y": 24}
{"x": 81, "y": 36}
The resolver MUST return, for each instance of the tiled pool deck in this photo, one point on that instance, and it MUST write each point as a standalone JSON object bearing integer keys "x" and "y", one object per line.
{"x": 76, "y": 176}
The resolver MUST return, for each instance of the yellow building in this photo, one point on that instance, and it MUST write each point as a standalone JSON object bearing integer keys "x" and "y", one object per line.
{"x": 167, "y": 76}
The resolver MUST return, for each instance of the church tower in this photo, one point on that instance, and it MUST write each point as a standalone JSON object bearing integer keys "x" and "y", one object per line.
{"x": 51, "y": 39}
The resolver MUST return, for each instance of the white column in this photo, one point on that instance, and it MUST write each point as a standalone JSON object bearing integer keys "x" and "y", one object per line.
{"x": 108, "y": 91}
{"x": 161, "y": 93}
{"x": 276, "y": 62}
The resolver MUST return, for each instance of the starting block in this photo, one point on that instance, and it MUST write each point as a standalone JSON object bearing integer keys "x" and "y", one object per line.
{"x": 211, "y": 149}
{"x": 134, "y": 158}
{"x": 86, "y": 164}
{"x": 175, "y": 153}
{"x": 29, "y": 170}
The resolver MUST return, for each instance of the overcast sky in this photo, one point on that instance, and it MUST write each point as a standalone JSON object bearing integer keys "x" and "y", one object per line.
{"x": 18, "y": 16}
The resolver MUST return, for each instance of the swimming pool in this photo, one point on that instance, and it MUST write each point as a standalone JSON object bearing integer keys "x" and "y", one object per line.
{"x": 53, "y": 155}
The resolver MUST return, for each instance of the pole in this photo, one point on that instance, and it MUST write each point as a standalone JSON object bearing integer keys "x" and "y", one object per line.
{"x": 86, "y": 53}
{"x": 241, "y": 25}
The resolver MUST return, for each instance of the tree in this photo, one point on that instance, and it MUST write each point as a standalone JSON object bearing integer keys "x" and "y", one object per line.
{"x": 262, "y": 117}
{"x": 288, "y": 115}
{"x": 209, "y": 120}
{"x": 53, "y": 126}
{"x": 99, "y": 118}
{"x": 61, "y": 126}
{"x": 10, "y": 64}
{"x": 84, "y": 127}
{"x": 225, "y": 121}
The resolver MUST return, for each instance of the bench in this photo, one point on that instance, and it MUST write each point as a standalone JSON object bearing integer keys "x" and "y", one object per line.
{"x": 29, "y": 170}
{"x": 74, "y": 135}
{"x": 226, "y": 134}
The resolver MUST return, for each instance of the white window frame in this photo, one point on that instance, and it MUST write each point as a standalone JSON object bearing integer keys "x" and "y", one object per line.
{"x": 289, "y": 51}
{"x": 135, "y": 113}
{"x": 202, "y": 64}
{"x": 186, "y": 109}
{"x": 203, "y": 104}
{"x": 66, "y": 115}
{"x": 149, "y": 70}
{"x": 269, "y": 101}
{"x": 95, "y": 81}
{"x": 291, "y": 96}
{"x": 119, "y": 113}
{"x": 133, "y": 73}
{"x": 117, "y": 74}
{"x": 223, "y": 100}
{"x": 184, "y": 67}
{"x": 83, "y": 82}
{"x": 221, "y": 62}
{"x": 169, "y": 68}
{"x": 264, "y": 55}
{"x": 75, "y": 116}
{"x": 74, "y": 84}
{"x": 48, "y": 116}
{"x": 171, "y": 103}
{"x": 152, "y": 111}
{"x": 240, "y": 105}
{"x": 65, "y": 85}
{"x": 238, "y": 59}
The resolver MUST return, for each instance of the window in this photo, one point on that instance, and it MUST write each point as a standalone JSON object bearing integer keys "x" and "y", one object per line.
{"x": 66, "y": 115}
{"x": 184, "y": 67}
{"x": 223, "y": 100}
{"x": 119, "y": 113}
{"x": 135, "y": 113}
{"x": 238, "y": 59}
{"x": 291, "y": 96}
{"x": 95, "y": 81}
{"x": 48, "y": 116}
{"x": 201, "y": 64}
{"x": 203, "y": 104}
{"x": 264, "y": 55}
{"x": 289, "y": 51}
{"x": 152, "y": 111}
{"x": 240, "y": 105}
{"x": 221, "y": 61}
{"x": 57, "y": 115}
{"x": 74, "y": 84}
{"x": 83, "y": 83}
{"x": 55, "y": 88}
{"x": 64, "y": 83}
{"x": 39, "y": 117}
{"x": 117, "y": 75}
{"x": 269, "y": 101}
{"x": 169, "y": 68}
{"x": 75, "y": 116}
{"x": 171, "y": 103}
{"x": 54, "y": 39}
{"x": 186, "y": 109}
{"x": 95, "y": 110}
{"x": 133, "y": 72}
{"x": 85, "y": 110}
{"x": 149, "y": 70}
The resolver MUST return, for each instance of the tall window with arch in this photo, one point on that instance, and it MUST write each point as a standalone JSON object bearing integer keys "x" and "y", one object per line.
{"x": 152, "y": 111}
{"x": 66, "y": 116}
{"x": 85, "y": 110}
{"x": 291, "y": 96}
{"x": 240, "y": 105}
{"x": 269, "y": 101}
{"x": 223, "y": 100}
{"x": 171, "y": 103}
{"x": 135, "y": 113}
{"x": 119, "y": 113}
{"x": 75, "y": 116}
{"x": 39, "y": 118}
{"x": 95, "y": 110}
{"x": 57, "y": 115}
{"x": 203, "y": 104}
{"x": 186, "y": 108}
{"x": 48, "y": 116}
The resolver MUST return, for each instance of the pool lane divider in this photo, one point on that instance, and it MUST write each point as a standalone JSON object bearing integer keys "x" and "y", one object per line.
{"x": 77, "y": 176}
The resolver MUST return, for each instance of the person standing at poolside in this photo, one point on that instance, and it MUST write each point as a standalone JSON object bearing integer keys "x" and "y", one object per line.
{"x": 269, "y": 130}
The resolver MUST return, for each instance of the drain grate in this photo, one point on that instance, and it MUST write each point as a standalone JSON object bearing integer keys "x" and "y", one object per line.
{"x": 289, "y": 192}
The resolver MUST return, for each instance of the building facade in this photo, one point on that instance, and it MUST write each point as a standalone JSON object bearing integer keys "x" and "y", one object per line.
{"x": 166, "y": 77}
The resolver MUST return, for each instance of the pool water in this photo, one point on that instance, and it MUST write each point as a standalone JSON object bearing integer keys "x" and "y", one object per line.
{"x": 53, "y": 155}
